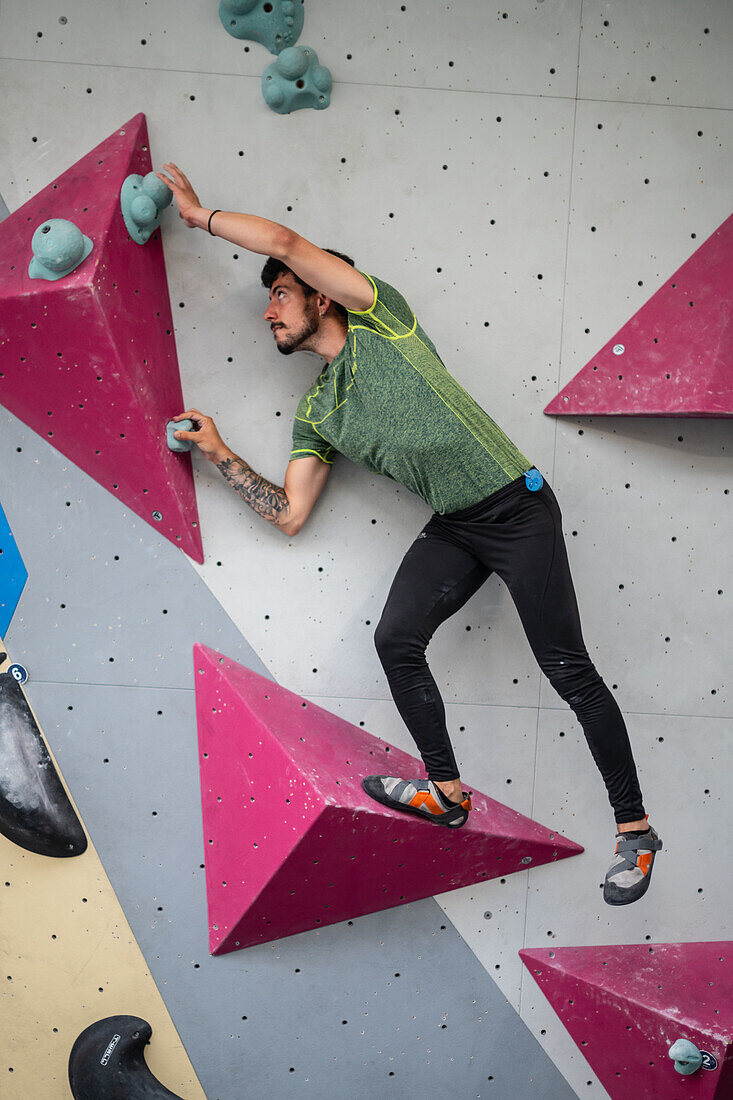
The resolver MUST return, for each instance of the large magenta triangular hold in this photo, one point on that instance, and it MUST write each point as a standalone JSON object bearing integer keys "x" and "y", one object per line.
{"x": 675, "y": 356}
{"x": 292, "y": 841}
{"x": 625, "y": 1007}
{"x": 89, "y": 361}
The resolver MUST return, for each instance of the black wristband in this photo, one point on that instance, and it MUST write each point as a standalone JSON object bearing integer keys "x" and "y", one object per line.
{"x": 211, "y": 215}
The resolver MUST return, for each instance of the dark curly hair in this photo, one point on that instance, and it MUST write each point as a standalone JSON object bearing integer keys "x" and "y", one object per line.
{"x": 273, "y": 268}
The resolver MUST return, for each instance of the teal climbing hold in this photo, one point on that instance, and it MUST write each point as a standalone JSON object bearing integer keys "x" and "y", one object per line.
{"x": 59, "y": 247}
{"x": 687, "y": 1058}
{"x": 143, "y": 200}
{"x": 276, "y": 24}
{"x": 296, "y": 80}
{"x": 178, "y": 445}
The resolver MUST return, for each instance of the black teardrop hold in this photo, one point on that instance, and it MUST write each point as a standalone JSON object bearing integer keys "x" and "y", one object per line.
{"x": 107, "y": 1062}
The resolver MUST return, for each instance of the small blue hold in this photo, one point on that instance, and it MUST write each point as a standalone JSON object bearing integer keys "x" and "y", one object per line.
{"x": 534, "y": 480}
{"x": 296, "y": 80}
{"x": 143, "y": 200}
{"x": 178, "y": 445}
{"x": 687, "y": 1058}
{"x": 58, "y": 248}
{"x": 276, "y": 24}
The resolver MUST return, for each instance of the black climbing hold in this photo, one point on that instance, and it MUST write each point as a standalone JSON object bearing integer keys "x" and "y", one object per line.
{"x": 35, "y": 811}
{"x": 107, "y": 1062}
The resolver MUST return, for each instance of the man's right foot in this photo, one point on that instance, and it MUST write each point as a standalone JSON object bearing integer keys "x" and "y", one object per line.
{"x": 629, "y": 875}
{"x": 423, "y": 799}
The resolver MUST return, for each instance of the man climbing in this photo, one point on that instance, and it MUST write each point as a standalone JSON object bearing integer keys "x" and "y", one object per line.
{"x": 386, "y": 401}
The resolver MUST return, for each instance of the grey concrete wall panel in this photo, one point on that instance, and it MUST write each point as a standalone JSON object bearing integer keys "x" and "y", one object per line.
{"x": 104, "y": 603}
{"x": 516, "y": 48}
{"x": 660, "y": 604}
{"x": 3, "y": 209}
{"x": 341, "y": 1011}
{"x": 629, "y": 53}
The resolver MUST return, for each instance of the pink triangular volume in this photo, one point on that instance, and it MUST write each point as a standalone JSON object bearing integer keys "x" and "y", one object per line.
{"x": 675, "y": 356}
{"x": 292, "y": 842}
{"x": 625, "y": 1006}
{"x": 89, "y": 361}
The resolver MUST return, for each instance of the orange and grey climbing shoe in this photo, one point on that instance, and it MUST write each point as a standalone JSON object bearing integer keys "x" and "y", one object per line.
{"x": 629, "y": 875}
{"x": 423, "y": 799}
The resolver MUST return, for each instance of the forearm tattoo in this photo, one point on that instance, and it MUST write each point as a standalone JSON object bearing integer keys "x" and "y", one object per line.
{"x": 267, "y": 500}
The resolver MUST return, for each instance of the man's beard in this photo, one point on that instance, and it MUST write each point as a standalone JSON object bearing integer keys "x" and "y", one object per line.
{"x": 295, "y": 340}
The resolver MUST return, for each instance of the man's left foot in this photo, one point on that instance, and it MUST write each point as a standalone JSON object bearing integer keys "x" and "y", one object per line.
{"x": 628, "y": 877}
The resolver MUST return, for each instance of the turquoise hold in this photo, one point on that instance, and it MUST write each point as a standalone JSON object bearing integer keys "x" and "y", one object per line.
{"x": 296, "y": 80}
{"x": 687, "y": 1058}
{"x": 59, "y": 247}
{"x": 178, "y": 445}
{"x": 143, "y": 200}
{"x": 275, "y": 24}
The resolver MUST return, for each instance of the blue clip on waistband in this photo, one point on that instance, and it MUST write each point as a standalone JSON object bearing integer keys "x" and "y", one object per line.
{"x": 534, "y": 480}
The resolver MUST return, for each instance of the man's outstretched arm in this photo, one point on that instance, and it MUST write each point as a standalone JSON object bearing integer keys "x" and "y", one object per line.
{"x": 286, "y": 507}
{"x": 326, "y": 273}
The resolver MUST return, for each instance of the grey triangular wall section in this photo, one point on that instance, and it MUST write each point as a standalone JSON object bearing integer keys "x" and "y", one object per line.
{"x": 358, "y": 1008}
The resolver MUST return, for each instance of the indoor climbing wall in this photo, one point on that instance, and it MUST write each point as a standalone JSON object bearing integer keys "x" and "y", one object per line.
{"x": 532, "y": 176}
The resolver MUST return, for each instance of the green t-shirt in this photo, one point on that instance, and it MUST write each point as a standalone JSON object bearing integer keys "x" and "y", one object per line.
{"x": 387, "y": 402}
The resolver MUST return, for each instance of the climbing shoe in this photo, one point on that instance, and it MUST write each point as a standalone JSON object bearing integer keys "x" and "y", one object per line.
{"x": 629, "y": 875}
{"x": 423, "y": 799}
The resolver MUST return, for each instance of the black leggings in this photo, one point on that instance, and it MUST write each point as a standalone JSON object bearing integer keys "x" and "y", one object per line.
{"x": 518, "y": 535}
